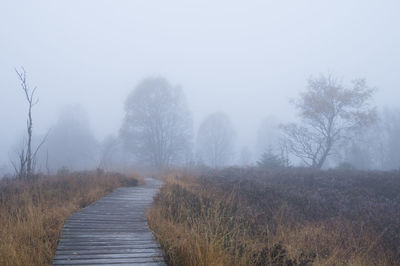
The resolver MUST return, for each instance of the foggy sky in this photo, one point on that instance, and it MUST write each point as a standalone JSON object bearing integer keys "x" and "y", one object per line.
{"x": 245, "y": 58}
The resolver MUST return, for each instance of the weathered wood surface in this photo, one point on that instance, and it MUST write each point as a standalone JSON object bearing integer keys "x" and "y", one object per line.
{"x": 112, "y": 231}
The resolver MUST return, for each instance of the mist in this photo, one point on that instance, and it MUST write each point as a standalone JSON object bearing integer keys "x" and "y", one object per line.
{"x": 246, "y": 60}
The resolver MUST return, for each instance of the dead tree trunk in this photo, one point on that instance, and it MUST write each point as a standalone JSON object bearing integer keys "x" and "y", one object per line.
{"x": 26, "y": 157}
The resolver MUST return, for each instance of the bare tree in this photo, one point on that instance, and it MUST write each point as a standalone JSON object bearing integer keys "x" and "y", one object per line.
{"x": 113, "y": 156}
{"x": 268, "y": 136}
{"x": 390, "y": 129}
{"x": 157, "y": 127}
{"x": 245, "y": 156}
{"x": 215, "y": 140}
{"x": 329, "y": 113}
{"x": 27, "y": 156}
{"x": 72, "y": 143}
{"x": 378, "y": 147}
{"x": 284, "y": 151}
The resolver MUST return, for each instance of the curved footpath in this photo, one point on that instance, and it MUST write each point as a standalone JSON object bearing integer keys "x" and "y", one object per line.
{"x": 112, "y": 231}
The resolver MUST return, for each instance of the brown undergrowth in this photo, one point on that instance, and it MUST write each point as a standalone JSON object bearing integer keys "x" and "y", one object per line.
{"x": 285, "y": 217}
{"x": 32, "y": 214}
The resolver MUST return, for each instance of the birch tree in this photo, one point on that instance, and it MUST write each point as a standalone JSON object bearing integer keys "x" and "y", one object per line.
{"x": 329, "y": 113}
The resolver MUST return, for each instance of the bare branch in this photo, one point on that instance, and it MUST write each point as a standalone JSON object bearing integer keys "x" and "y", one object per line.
{"x": 29, "y": 157}
{"x": 329, "y": 112}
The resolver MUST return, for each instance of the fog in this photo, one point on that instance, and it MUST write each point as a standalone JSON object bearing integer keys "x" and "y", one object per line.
{"x": 244, "y": 58}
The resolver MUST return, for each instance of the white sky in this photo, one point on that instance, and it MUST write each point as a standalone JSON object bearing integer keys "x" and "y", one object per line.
{"x": 246, "y": 58}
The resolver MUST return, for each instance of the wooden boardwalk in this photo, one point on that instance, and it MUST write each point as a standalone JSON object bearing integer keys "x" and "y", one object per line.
{"x": 112, "y": 231}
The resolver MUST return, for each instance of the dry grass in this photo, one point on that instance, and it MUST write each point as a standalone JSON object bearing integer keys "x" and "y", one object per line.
{"x": 32, "y": 215}
{"x": 292, "y": 217}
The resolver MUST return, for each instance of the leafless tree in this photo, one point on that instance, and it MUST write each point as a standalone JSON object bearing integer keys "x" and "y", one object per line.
{"x": 268, "y": 136}
{"x": 215, "y": 140}
{"x": 329, "y": 113}
{"x": 284, "y": 151}
{"x": 113, "y": 156}
{"x": 245, "y": 156}
{"x": 390, "y": 129}
{"x": 108, "y": 152}
{"x": 72, "y": 143}
{"x": 157, "y": 127}
{"x": 27, "y": 156}
{"x": 378, "y": 147}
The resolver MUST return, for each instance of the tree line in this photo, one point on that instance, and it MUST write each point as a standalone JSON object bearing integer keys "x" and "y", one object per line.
{"x": 338, "y": 124}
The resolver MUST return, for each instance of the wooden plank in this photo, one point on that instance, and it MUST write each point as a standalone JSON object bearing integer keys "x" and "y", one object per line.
{"x": 80, "y": 248}
{"x": 112, "y": 231}
{"x": 109, "y": 251}
{"x": 126, "y": 261}
{"x": 109, "y": 256}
